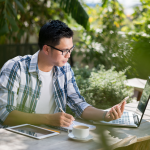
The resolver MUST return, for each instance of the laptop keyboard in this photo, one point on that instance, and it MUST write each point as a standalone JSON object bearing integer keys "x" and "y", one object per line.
{"x": 123, "y": 120}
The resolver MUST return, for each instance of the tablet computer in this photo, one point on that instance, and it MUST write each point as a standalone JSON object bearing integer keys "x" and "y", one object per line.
{"x": 32, "y": 131}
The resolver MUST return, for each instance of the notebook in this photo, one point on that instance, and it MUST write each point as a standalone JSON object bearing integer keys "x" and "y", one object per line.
{"x": 91, "y": 127}
{"x": 132, "y": 119}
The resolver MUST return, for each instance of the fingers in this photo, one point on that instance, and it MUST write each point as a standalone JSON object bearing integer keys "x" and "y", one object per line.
{"x": 115, "y": 112}
{"x": 66, "y": 120}
{"x": 60, "y": 119}
{"x": 69, "y": 116}
{"x": 123, "y": 106}
{"x": 118, "y": 112}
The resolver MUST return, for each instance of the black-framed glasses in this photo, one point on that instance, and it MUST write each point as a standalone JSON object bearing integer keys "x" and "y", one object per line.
{"x": 64, "y": 52}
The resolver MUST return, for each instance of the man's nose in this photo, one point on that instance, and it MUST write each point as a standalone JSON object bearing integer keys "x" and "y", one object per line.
{"x": 68, "y": 55}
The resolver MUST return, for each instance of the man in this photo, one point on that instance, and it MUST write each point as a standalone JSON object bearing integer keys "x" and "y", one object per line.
{"x": 34, "y": 87}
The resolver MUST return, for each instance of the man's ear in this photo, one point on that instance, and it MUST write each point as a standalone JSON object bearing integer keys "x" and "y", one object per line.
{"x": 46, "y": 49}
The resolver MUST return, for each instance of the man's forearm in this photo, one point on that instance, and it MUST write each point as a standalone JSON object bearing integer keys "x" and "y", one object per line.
{"x": 92, "y": 113}
{"x": 17, "y": 117}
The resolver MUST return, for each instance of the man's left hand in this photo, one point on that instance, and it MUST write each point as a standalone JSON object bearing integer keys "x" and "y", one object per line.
{"x": 115, "y": 112}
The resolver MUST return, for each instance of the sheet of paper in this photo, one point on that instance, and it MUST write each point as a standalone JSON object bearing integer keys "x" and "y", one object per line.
{"x": 91, "y": 127}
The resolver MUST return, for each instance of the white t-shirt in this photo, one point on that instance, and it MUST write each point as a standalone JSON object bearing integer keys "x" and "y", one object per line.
{"x": 46, "y": 103}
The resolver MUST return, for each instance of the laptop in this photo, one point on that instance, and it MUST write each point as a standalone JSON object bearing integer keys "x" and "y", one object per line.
{"x": 132, "y": 119}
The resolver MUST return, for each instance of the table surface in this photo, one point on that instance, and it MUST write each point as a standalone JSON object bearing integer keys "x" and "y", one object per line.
{"x": 136, "y": 83}
{"x": 13, "y": 141}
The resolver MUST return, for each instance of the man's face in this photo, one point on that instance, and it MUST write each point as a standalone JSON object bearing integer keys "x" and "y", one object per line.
{"x": 55, "y": 57}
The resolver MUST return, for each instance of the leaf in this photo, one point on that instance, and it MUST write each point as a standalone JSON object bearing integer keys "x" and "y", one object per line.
{"x": 75, "y": 8}
{"x": 19, "y": 6}
{"x": 4, "y": 29}
{"x": 12, "y": 10}
{"x": 2, "y": 0}
{"x": 12, "y": 23}
{"x": 20, "y": 33}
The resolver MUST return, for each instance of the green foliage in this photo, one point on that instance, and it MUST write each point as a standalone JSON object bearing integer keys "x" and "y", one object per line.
{"x": 100, "y": 87}
{"x": 139, "y": 39}
{"x": 22, "y": 16}
{"x": 73, "y": 7}
{"x": 105, "y": 88}
{"x": 109, "y": 49}
{"x": 140, "y": 44}
{"x": 82, "y": 75}
{"x": 104, "y": 43}
{"x": 8, "y": 19}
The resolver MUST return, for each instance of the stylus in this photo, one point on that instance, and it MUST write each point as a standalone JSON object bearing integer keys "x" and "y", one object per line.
{"x": 52, "y": 130}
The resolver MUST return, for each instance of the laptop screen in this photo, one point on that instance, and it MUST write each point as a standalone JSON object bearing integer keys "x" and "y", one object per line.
{"x": 143, "y": 100}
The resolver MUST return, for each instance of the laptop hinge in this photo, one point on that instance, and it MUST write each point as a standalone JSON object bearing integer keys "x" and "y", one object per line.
{"x": 136, "y": 119}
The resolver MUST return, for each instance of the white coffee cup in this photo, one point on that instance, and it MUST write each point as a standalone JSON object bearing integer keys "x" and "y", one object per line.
{"x": 80, "y": 131}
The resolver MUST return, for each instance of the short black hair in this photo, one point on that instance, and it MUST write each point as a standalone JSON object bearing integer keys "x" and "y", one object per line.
{"x": 52, "y": 32}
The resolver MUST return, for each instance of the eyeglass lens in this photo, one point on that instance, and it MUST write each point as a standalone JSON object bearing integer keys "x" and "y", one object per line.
{"x": 66, "y": 52}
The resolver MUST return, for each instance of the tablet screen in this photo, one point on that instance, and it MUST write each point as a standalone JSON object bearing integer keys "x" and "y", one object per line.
{"x": 32, "y": 130}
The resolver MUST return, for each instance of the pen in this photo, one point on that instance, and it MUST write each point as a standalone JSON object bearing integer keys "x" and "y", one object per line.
{"x": 64, "y": 112}
{"x": 52, "y": 130}
{"x": 61, "y": 110}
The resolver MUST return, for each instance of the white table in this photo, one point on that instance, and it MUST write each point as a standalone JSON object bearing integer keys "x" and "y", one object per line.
{"x": 13, "y": 141}
{"x": 138, "y": 85}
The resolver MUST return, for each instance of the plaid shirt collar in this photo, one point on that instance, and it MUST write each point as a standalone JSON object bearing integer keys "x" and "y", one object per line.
{"x": 33, "y": 68}
{"x": 34, "y": 63}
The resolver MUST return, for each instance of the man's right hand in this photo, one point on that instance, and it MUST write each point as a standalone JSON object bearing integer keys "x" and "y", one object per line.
{"x": 60, "y": 119}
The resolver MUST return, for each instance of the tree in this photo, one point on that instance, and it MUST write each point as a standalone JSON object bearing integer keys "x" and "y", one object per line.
{"x": 139, "y": 37}
{"x": 27, "y": 16}
{"x": 104, "y": 43}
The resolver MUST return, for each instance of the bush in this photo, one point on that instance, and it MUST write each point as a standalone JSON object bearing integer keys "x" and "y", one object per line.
{"x": 102, "y": 88}
{"x": 106, "y": 88}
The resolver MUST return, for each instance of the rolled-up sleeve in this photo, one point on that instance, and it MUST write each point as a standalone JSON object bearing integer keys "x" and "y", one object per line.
{"x": 75, "y": 101}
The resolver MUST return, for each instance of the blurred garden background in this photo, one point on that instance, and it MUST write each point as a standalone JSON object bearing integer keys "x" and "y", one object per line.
{"x": 112, "y": 43}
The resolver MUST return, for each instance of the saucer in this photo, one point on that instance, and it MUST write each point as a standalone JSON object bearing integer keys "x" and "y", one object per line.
{"x": 80, "y": 139}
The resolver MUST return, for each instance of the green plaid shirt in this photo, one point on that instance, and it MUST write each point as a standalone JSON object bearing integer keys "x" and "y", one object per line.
{"x": 20, "y": 87}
